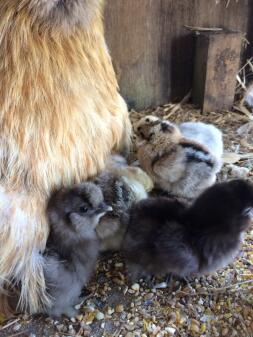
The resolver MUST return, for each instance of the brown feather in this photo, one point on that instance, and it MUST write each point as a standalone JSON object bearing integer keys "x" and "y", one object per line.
{"x": 60, "y": 117}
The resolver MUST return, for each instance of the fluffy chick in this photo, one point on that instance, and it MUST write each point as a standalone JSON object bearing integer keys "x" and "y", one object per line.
{"x": 122, "y": 187}
{"x": 73, "y": 245}
{"x": 178, "y": 165}
{"x": 207, "y": 135}
{"x": 164, "y": 236}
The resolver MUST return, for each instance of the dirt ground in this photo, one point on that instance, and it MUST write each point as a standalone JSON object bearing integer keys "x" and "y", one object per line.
{"x": 217, "y": 305}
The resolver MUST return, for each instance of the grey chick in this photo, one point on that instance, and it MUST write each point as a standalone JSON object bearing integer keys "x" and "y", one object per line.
{"x": 207, "y": 135}
{"x": 122, "y": 187}
{"x": 164, "y": 236}
{"x": 178, "y": 165}
{"x": 73, "y": 246}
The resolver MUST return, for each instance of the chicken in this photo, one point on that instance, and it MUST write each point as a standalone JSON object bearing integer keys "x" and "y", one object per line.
{"x": 122, "y": 186}
{"x": 207, "y": 135}
{"x": 73, "y": 245}
{"x": 165, "y": 236}
{"x": 178, "y": 165}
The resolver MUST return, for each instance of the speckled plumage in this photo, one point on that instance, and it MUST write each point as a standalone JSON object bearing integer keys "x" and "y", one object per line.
{"x": 178, "y": 165}
{"x": 122, "y": 186}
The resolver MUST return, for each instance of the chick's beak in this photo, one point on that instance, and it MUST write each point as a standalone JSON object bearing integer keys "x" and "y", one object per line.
{"x": 103, "y": 208}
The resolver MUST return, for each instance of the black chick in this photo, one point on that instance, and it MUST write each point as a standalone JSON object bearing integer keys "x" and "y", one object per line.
{"x": 165, "y": 236}
{"x": 73, "y": 245}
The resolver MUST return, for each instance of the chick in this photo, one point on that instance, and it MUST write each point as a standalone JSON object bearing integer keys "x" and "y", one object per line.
{"x": 164, "y": 236}
{"x": 207, "y": 135}
{"x": 122, "y": 187}
{"x": 178, "y": 165}
{"x": 73, "y": 245}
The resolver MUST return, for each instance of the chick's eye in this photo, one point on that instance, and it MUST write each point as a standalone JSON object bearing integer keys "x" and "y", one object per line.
{"x": 83, "y": 209}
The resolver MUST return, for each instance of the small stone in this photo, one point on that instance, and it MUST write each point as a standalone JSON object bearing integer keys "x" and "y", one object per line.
{"x": 171, "y": 331}
{"x": 224, "y": 331}
{"x": 109, "y": 311}
{"x": 100, "y": 316}
{"x": 161, "y": 285}
{"x": 130, "y": 326}
{"x": 136, "y": 287}
{"x": 119, "y": 308}
{"x": 194, "y": 327}
{"x": 203, "y": 328}
{"x": 60, "y": 327}
{"x": 172, "y": 317}
{"x": 148, "y": 296}
{"x": 238, "y": 171}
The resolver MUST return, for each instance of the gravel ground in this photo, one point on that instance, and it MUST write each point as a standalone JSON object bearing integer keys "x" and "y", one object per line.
{"x": 217, "y": 305}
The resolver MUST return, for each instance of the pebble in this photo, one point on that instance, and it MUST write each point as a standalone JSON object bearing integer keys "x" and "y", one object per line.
{"x": 162, "y": 285}
{"x": 172, "y": 317}
{"x": 225, "y": 331}
{"x": 110, "y": 311}
{"x": 135, "y": 287}
{"x": 60, "y": 327}
{"x": 119, "y": 308}
{"x": 148, "y": 296}
{"x": 100, "y": 316}
{"x": 194, "y": 326}
{"x": 130, "y": 326}
{"x": 238, "y": 171}
{"x": 171, "y": 331}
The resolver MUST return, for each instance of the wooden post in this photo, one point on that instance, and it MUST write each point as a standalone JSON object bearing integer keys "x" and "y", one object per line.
{"x": 217, "y": 61}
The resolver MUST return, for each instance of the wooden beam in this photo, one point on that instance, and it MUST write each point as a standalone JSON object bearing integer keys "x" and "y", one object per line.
{"x": 217, "y": 60}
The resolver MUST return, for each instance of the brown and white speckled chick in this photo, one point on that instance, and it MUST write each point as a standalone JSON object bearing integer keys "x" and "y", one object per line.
{"x": 165, "y": 236}
{"x": 122, "y": 186}
{"x": 178, "y": 165}
{"x": 73, "y": 245}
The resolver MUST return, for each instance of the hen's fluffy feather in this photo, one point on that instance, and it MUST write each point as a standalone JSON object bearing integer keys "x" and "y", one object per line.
{"x": 60, "y": 117}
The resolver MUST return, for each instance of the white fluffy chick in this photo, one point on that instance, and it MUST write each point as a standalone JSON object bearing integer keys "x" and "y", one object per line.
{"x": 207, "y": 135}
{"x": 181, "y": 166}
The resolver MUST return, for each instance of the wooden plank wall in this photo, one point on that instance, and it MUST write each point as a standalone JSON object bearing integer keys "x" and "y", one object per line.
{"x": 152, "y": 51}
